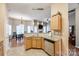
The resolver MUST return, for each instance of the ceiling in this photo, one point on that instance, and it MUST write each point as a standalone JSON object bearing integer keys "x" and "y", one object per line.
{"x": 72, "y": 6}
{"x": 24, "y": 10}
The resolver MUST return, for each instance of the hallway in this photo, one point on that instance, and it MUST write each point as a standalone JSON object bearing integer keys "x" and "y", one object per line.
{"x": 73, "y": 51}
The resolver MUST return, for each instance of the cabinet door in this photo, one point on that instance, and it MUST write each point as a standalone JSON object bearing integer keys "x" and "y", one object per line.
{"x": 56, "y": 23}
{"x": 39, "y": 43}
{"x": 28, "y": 43}
{"x": 33, "y": 43}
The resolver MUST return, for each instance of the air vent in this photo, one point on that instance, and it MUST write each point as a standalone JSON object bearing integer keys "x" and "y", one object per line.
{"x": 38, "y": 9}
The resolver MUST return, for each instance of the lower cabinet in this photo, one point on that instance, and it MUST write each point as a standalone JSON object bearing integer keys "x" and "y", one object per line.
{"x": 1, "y": 49}
{"x": 49, "y": 48}
{"x": 33, "y": 42}
{"x": 52, "y": 48}
{"x": 58, "y": 48}
{"x": 27, "y": 42}
{"x": 43, "y": 43}
{"x": 39, "y": 43}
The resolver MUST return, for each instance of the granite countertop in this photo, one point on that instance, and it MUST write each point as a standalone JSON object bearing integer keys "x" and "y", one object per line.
{"x": 54, "y": 39}
{"x": 46, "y": 36}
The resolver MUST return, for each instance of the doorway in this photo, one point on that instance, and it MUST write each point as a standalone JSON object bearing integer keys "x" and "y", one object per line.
{"x": 72, "y": 33}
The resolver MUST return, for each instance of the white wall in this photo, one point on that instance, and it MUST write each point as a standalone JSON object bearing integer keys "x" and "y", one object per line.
{"x": 3, "y": 18}
{"x": 77, "y": 27}
{"x": 25, "y": 11}
{"x": 63, "y": 9}
{"x": 71, "y": 17}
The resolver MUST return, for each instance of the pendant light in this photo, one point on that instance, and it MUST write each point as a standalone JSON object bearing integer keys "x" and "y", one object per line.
{"x": 21, "y": 21}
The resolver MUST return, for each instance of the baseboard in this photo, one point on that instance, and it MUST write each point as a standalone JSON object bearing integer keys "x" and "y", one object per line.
{"x": 32, "y": 48}
{"x": 35, "y": 48}
{"x": 28, "y": 49}
{"x": 46, "y": 52}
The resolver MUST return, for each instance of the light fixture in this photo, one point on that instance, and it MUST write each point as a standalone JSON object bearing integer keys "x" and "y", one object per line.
{"x": 37, "y": 8}
{"x": 21, "y": 20}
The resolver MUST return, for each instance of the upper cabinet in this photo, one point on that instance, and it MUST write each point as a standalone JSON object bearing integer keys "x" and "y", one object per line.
{"x": 56, "y": 22}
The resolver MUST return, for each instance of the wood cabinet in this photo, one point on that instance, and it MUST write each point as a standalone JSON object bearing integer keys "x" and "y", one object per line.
{"x": 1, "y": 49}
{"x": 34, "y": 42}
{"x": 43, "y": 43}
{"x": 39, "y": 43}
{"x": 56, "y": 22}
{"x": 27, "y": 42}
{"x": 51, "y": 47}
{"x": 58, "y": 48}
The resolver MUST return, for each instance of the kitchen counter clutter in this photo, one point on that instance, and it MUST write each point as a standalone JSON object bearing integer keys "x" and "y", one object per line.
{"x": 51, "y": 47}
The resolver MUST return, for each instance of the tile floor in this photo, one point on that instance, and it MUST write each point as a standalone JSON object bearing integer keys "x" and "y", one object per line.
{"x": 19, "y": 51}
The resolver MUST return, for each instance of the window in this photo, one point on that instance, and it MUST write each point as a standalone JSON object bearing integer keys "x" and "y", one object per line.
{"x": 48, "y": 28}
{"x": 20, "y": 29}
{"x": 28, "y": 29}
{"x": 10, "y": 29}
{"x": 31, "y": 29}
{"x": 35, "y": 29}
{"x": 44, "y": 29}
